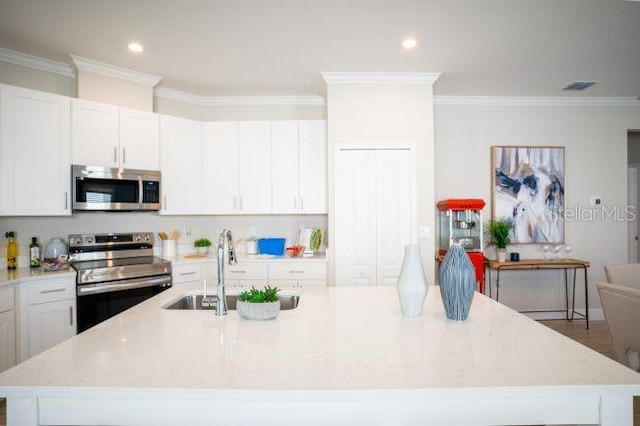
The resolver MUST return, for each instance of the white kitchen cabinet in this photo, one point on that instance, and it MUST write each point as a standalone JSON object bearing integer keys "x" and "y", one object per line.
{"x": 299, "y": 167}
{"x": 245, "y": 275}
{"x": 7, "y": 328}
{"x": 110, "y": 136}
{"x": 375, "y": 215}
{"x": 237, "y": 167}
{"x": 34, "y": 153}
{"x": 48, "y": 314}
{"x": 193, "y": 272}
{"x": 181, "y": 166}
{"x": 298, "y": 274}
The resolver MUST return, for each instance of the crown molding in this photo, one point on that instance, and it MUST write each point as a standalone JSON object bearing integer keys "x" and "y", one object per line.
{"x": 176, "y": 95}
{"x": 531, "y": 101}
{"x": 380, "y": 77}
{"x": 35, "y": 62}
{"x": 109, "y": 70}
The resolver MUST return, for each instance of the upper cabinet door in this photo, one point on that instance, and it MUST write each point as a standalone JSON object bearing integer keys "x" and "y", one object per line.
{"x": 254, "y": 178}
{"x": 94, "y": 134}
{"x": 181, "y": 165}
{"x": 220, "y": 167}
{"x": 35, "y": 158}
{"x": 139, "y": 139}
{"x": 313, "y": 167}
{"x": 285, "y": 198}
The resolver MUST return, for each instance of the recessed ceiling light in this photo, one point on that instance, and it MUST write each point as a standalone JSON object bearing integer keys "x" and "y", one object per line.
{"x": 409, "y": 43}
{"x": 136, "y": 47}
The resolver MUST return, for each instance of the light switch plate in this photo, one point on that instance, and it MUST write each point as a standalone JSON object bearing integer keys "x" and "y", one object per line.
{"x": 424, "y": 232}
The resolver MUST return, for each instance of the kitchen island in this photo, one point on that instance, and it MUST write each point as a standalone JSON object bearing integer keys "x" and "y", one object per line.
{"x": 344, "y": 356}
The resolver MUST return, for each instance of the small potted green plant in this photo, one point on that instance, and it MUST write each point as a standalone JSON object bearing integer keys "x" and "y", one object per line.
{"x": 202, "y": 245}
{"x": 499, "y": 232}
{"x": 257, "y": 304}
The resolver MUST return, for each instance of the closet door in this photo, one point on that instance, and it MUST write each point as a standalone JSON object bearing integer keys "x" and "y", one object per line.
{"x": 393, "y": 212}
{"x": 355, "y": 218}
{"x": 375, "y": 215}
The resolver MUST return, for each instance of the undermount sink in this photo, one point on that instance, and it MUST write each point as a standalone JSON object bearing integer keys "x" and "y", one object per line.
{"x": 193, "y": 302}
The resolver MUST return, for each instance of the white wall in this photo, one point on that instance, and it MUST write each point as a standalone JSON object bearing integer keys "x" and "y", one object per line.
{"x": 115, "y": 91}
{"x": 387, "y": 113}
{"x": 595, "y": 161}
{"x": 38, "y": 80}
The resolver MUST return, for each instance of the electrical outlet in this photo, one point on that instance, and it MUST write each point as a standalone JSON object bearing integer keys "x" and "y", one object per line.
{"x": 595, "y": 201}
{"x": 187, "y": 230}
{"x": 424, "y": 232}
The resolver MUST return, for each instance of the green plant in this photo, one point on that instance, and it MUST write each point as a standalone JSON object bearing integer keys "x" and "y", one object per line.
{"x": 202, "y": 242}
{"x": 269, "y": 294}
{"x": 499, "y": 232}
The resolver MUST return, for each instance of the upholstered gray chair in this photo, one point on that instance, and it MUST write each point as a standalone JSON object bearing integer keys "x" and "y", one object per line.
{"x": 621, "y": 305}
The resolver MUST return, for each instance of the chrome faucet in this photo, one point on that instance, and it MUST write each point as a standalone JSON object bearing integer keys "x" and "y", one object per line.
{"x": 221, "y": 308}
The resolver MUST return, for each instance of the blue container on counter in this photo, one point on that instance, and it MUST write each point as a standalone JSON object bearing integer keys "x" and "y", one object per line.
{"x": 273, "y": 246}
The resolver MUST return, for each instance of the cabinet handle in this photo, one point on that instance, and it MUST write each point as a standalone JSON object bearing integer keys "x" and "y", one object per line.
{"x": 57, "y": 290}
{"x": 301, "y": 203}
{"x": 70, "y": 315}
{"x": 238, "y": 272}
{"x": 182, "y": 274}
{"x": 165, "y": 202}
{"x": 66, "y": 200}
{"x": 115, "y": 154}
{"x": 124, "y": 154}
{"x": 235, "y": 203}
{"x": 296, "y": 272}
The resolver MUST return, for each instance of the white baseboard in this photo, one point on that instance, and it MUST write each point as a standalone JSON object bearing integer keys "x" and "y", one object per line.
{"x": 594, "y": 315}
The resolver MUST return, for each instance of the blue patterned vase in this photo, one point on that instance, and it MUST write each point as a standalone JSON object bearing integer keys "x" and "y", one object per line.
{"x": 457, "y": 279}
{"x": 412, "y": 284}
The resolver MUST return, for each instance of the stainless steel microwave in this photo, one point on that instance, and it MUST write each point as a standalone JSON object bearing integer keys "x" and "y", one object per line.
{"x": 96, "y": 188}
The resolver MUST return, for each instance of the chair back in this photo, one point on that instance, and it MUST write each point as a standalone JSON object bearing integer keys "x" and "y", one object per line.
{"x": 621, "y": 305}
{"x": 625, "y": 274}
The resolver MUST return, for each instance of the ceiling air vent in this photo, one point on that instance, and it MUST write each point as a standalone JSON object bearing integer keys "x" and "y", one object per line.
{"x": 579, "y": 85}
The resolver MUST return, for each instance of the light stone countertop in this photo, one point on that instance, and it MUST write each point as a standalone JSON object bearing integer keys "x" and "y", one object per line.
{"x": 242, "y": 258}
{"x": 9, "y": 277}
{"x": 346, "y": 345}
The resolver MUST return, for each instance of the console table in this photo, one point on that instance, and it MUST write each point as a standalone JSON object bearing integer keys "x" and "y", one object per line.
{"x": 536, "y": 264}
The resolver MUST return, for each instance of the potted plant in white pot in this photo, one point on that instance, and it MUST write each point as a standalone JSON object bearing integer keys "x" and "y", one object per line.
{"x": 257, "y": 304}
{"x": 202, "y": 245}
{"x": 499, "y": 233}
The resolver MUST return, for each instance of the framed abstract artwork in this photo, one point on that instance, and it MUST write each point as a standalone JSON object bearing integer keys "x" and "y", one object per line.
{"x": 528, "y": 187}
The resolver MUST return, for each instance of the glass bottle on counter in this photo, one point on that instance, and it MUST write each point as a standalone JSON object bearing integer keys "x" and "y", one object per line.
{"x": 34, "y": 253}
{"x": 12, "y": 251}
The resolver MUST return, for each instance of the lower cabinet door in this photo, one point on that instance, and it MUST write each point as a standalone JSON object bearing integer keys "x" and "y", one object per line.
{"x": 50, "y": 323}
{"x": 7, "y": 339}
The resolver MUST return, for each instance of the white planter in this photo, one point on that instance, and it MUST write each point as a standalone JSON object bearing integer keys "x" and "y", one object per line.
{"x": 501, "y": 254}
{"x": 202, "y": 250}
{"x": 258, "y": 311}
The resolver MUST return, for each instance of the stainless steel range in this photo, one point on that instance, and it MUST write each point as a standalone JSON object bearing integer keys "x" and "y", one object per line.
{"x": 115, "y": 272}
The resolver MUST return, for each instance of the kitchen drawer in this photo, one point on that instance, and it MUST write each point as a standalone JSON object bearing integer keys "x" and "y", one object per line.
{"x": 51, "y": 290}
{"x": 298, "y": 271}
{"x": 7, "y": 299}
{"x": 247, "y": 271}
{"x": 186, "y": 272}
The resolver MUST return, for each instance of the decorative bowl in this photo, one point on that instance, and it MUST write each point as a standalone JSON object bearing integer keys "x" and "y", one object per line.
{"x": 258, "y": 311}
{"x": 295, "y": 251}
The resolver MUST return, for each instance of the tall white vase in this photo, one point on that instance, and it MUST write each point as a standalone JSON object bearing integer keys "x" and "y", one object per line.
{"x": 412, "y": 284}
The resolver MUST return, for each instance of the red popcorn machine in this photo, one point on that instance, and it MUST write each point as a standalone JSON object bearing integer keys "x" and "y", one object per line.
{"x": 461, "y": 223}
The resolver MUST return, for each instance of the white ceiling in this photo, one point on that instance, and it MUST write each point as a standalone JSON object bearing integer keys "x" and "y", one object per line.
{"x": 280, "y": 47}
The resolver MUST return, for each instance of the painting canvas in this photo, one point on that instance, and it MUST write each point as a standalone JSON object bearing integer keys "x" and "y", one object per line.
{"x": 528, "y": 187}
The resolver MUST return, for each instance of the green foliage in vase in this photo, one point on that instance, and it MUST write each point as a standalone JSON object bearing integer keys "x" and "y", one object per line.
{"x": 202, "y": 242}
{"x": 499, "y": 232}
{"x": 269, "y": 294}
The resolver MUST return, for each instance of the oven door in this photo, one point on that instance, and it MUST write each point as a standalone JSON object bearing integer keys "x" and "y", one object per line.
{"x": 100, "y": 301}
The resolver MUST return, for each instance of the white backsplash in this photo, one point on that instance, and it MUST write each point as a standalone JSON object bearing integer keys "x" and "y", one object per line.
{"x": 45, "y": 228}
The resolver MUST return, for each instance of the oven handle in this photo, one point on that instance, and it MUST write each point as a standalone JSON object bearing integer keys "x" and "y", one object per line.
{"x": 86, "y": 290}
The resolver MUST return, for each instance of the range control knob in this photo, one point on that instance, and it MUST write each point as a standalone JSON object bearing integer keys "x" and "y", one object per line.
{"x": 76, "y": 241}
{"x": 89, "y": 239}
{"x": 137, "y": 237}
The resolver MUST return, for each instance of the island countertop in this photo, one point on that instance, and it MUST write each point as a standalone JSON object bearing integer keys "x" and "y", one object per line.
{"x": 339, "y": 340}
